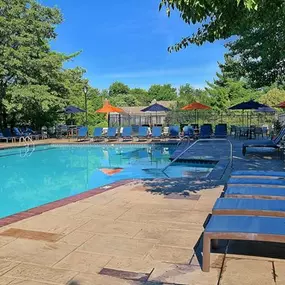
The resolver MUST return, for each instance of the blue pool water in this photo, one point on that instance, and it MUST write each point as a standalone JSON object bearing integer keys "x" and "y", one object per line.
{"x": 49, "y": 173}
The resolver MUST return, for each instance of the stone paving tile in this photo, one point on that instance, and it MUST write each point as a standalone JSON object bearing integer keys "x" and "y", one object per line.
{"x": 76, "y": 238}
{"x": 48, "y": 223}
{"x": 132, "y": 264}
{"x": 94, "y": 279}
{"x": 6, "y": 280}
{"x": 170, "y": 254}
{"x": 117, "y": 246}
{"x": 116, "y": 228}
{"x": 71, "y": 209}
{"x": 35, "y": 251}
{"x": 6, "y": 265}
{"x": 29, "y": 282}
{"x": 279, "y": 271}
{"x": 247, "y": 272}
{"x": 184, "y": 274}
{"x": 5, "y": 240}
{"x": 83, "y": 262}
{"x": 41, "y": 274}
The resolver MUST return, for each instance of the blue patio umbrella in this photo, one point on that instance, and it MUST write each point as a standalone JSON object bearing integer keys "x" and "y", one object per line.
{"x": 265, "y": 110}
{"x": 155, "y": 108}
{"x": 73, "y": 110}
{"x": 249, "y": 105}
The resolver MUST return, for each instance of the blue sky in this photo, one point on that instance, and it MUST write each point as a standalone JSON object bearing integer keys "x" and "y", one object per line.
{"x": 127, "y": 40}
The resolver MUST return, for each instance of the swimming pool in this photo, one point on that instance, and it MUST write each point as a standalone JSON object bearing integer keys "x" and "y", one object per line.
{"x": 32, "y": 178}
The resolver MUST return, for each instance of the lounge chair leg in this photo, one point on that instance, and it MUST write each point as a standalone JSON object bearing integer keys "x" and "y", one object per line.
{"x": 243, "y": 150}
{"x": 206, "y": 253}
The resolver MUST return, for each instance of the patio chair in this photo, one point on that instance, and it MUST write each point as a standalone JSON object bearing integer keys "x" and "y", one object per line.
{"x": 188, "y": 133}
{"x": 112, "y": 134}
{"x": 249, "y": 207}
{"x": 248, "y": 191}
{"x": 174, "y": 131}
{"x": 82, "y": 133}
{"x": 264, "y": 143}
{"x": 97, "y": 134}
{"x": 143, "y": 133}
{"x": 20, "y": 134}
{"x": 2, "y": 138}
{"x": 205, "y": 132}
{"x": 220, "y": 131}
{"x": 257, "y": 181}
{"x": 156, "y": 133}
{"x": 255, "y": 228}
{"x": 127, "y": 134}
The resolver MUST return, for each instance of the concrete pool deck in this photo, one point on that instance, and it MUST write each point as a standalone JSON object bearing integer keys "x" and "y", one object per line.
{"x": 133, "y": 235}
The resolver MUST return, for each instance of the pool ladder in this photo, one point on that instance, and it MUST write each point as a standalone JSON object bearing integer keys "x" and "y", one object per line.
{"x": 201, "y": 140}
{"x": 29, "y": 146}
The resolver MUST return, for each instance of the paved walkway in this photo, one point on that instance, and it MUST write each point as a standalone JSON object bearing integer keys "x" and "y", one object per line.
{"x": 131, "y": 235}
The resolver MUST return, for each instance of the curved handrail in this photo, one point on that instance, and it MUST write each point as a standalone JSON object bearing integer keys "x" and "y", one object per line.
{"x": 199, "y": 140}
{"x": 28, "y": 142}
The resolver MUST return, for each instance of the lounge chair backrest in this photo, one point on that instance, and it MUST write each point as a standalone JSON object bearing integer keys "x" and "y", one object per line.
{"x": 205, "y": 130}
{"x": 143, "y": 131}
{"x": 112, "y": 132}
{"x": 1, "y": 135}
{"x": 221, "y": 130}
{"x": 156, "y": 131}
{"x": 82, "y": 132}
{"x": 174, "y": 131}
{"x": 127, "y": 132}
{"x": 17, "y": 132}
{"x": 188, "y": 131}
{"x": 97, "y": 132}
{"x": 7, "y": 132}
{"x": 279, "y": 137}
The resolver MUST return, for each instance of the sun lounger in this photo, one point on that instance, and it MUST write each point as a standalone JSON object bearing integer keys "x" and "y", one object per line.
{"x": 252, "y": 228}
{"x": 239, "y": 191}
{"x": 280, "y": 182}
{"x": 112, "y": 134}
{"x": 249, "y": 207}
{"x": 174, "y": 131}
{"x": 82, "y": 133}
{"x": 258, "y": 173}
{"x": 143, "y": 133}
{"x": 8, "y": 134}
{"x": 2, "y": 138}
{"x": 264, "y": 143}
{"x": 205, "y": 132}
{"x": 18, "y": 133}
{"x": 127, "y": 133}
{"x": 156, "y": 133}
{"x": 97, "y": 134}
{"x": 220, "y": 131}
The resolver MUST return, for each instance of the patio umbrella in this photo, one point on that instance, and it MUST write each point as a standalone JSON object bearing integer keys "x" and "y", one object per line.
{"x": 266, "y": 110}
{"x": 155, "y": 108}
{"x": 72, "y": 110}
{"x": 281, "y": 105}
{"x": 249, "y": 105}
{"x": 108, "y": 108}
{"x": 196, "y": 106}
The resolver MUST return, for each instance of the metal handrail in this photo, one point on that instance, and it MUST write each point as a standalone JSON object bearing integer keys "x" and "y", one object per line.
{"x": 28, "y": 142}
{"x": 199, "y": 140}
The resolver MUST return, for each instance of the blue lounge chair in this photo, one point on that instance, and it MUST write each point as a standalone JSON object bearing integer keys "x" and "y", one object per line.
{"x": 265, "y": 192}
{"x": 264, "y": 143}
{"x": 112, "y": 134}
{"x": 156, "y": 133}
{"x": 143, "y": 133}
{"x": 220, "y": 131}
{"x": 249, "y": 207}
{"x": 188, "y": 133}
{"x": 174, "y": 131}
{"x": 127, "y": 133}
{"x": 205, "y": 132}
{"x": 258, "y": 173}
{"x": 257, "y": 181}
{"x": 20, "y": 134}
{"x": 254, "y": 228}
{"x": 97, "y": 134}
{"x": 2, "y": 138}
{"x": 8, "y": 134}
{"x": 82, "y": 133}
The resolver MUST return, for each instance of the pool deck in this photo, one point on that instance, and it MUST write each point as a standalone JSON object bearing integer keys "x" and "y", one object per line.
{"x": 134, "y": 234}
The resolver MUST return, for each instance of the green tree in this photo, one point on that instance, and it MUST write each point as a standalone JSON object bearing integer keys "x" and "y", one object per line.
{"x": 189, "y": 94}
{"x": 162, "y": 92}
{"x": 141, "y": 95}
{"x": 273, "y": 97}
{"x": 125, "y": 100}
{"x": 26, "y": 61}
{"x": 118, "y": 88}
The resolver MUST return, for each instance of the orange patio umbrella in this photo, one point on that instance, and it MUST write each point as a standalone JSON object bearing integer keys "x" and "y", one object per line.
{"x": 108, "y": 108}
{"x": 195, "y": 106}
{"x": 111, "y": 171}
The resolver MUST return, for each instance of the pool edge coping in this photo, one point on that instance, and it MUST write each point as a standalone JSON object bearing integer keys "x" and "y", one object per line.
{"x": 62, "y": 202}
